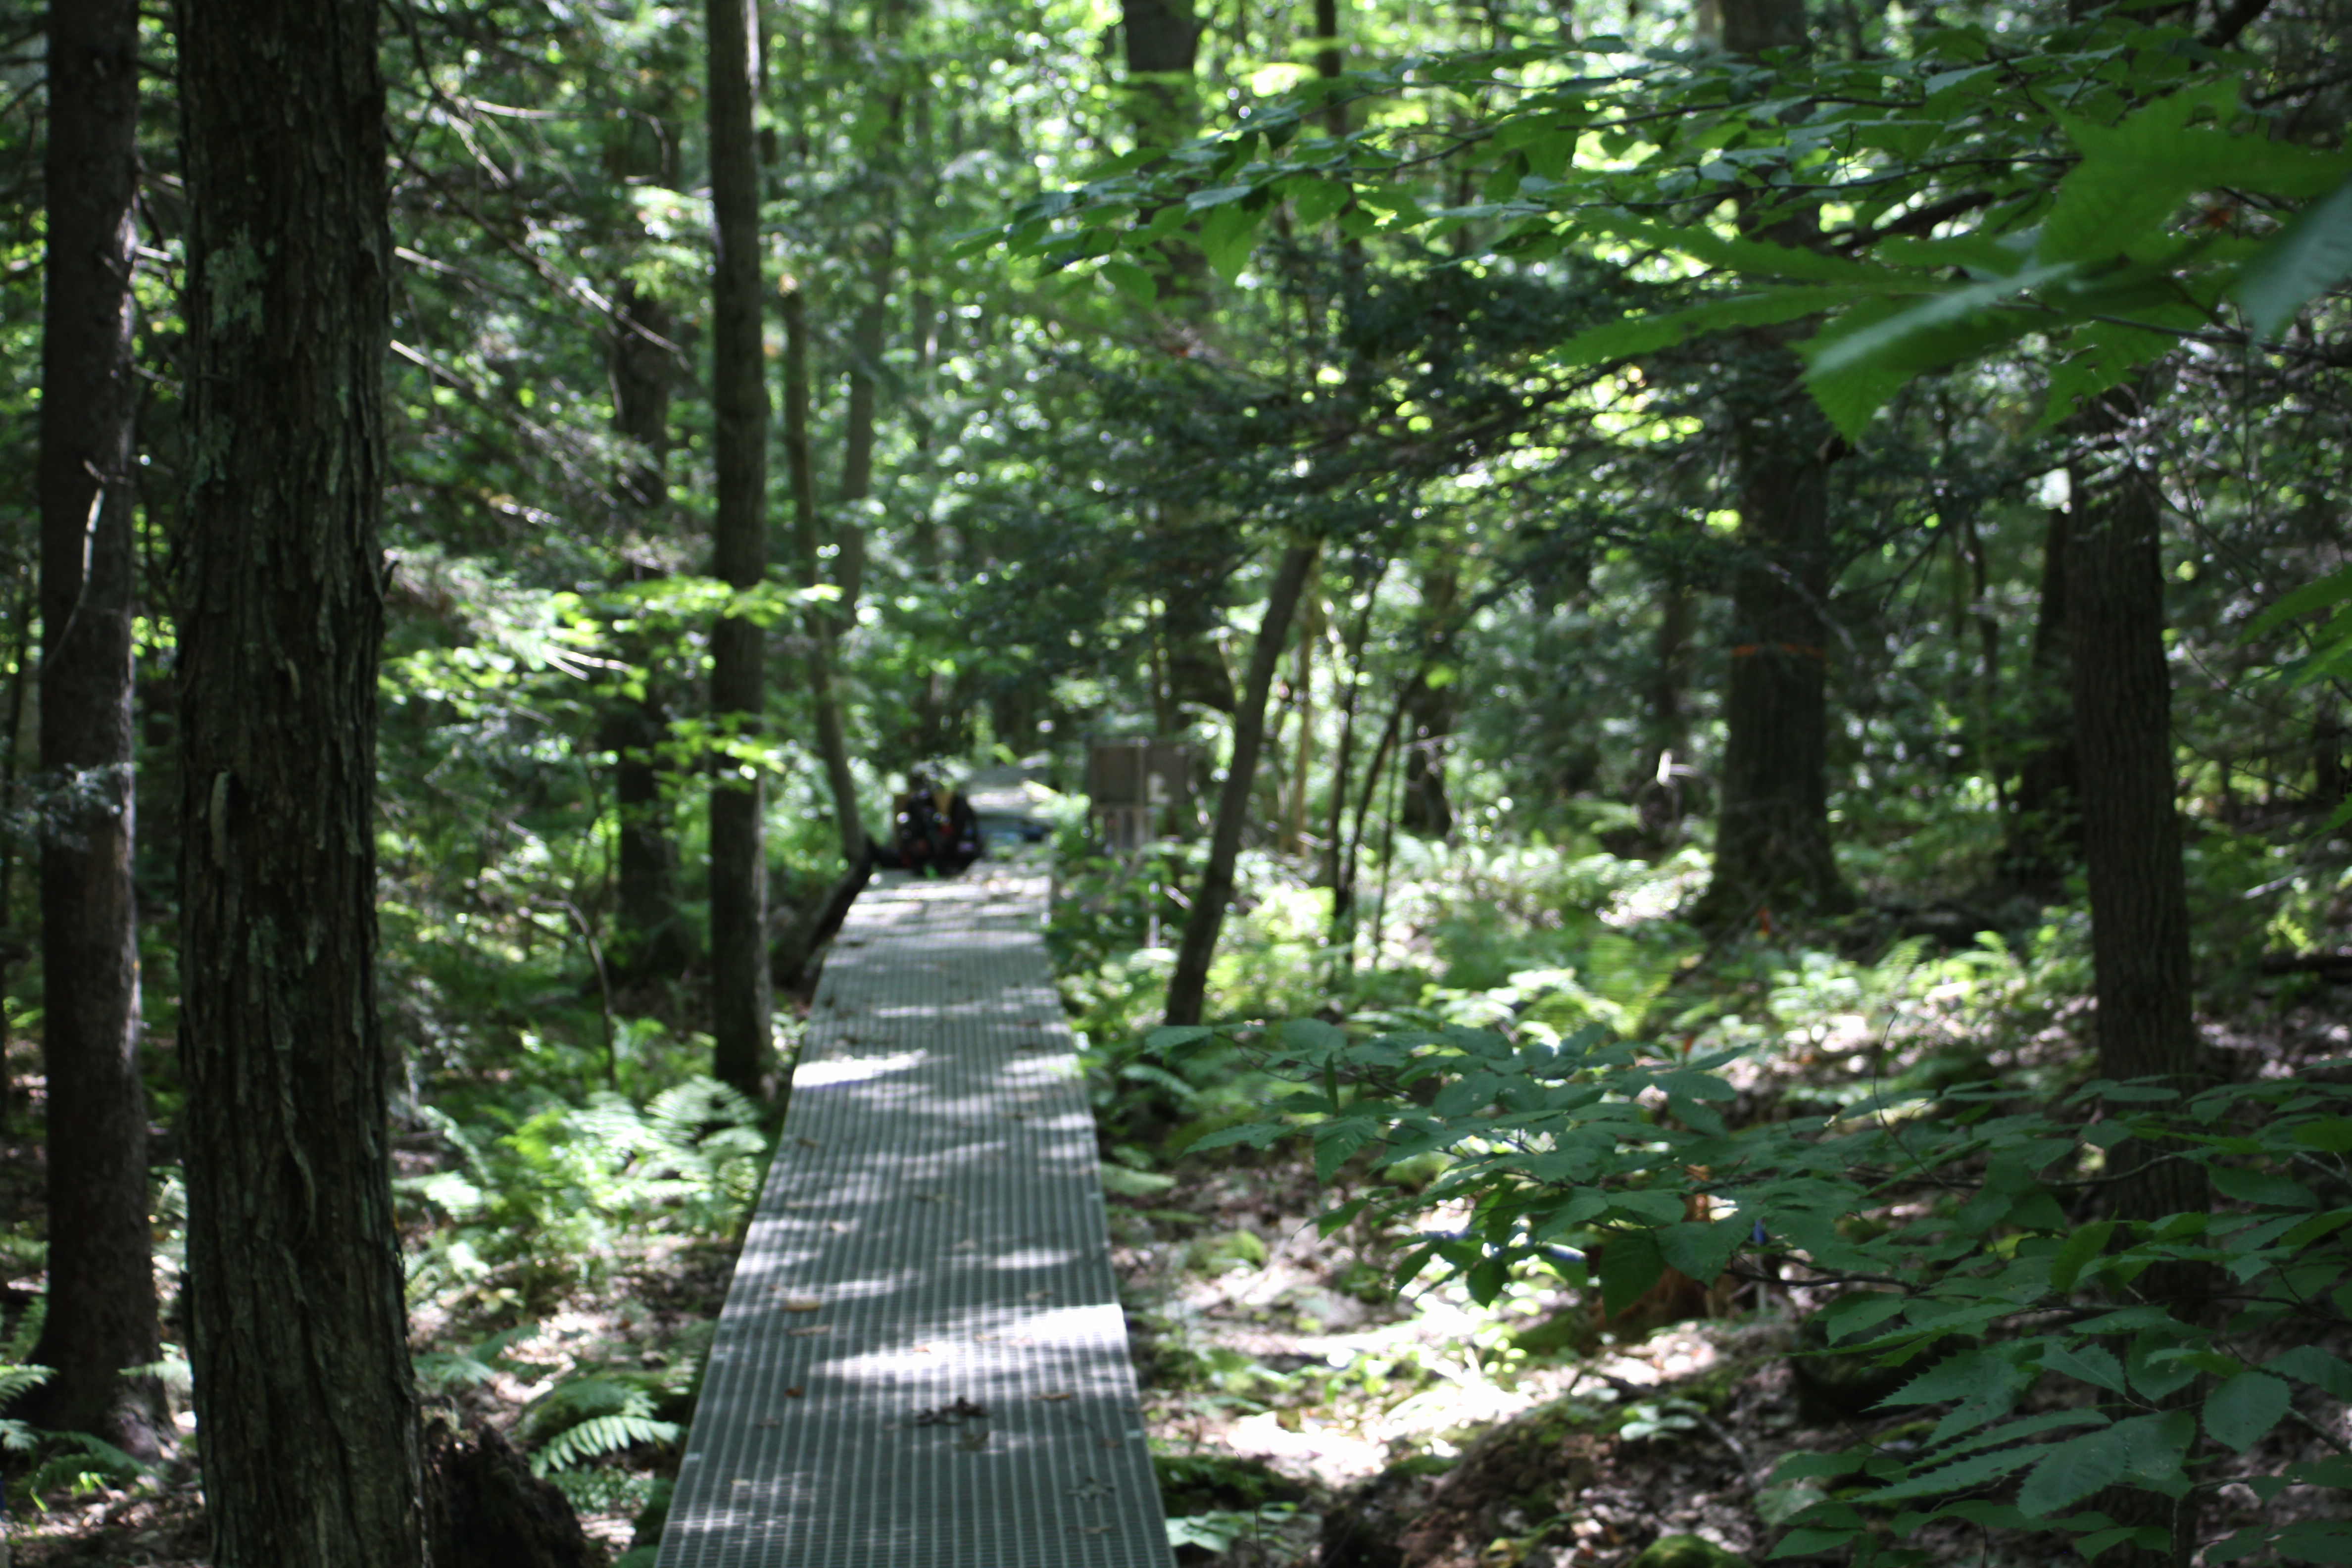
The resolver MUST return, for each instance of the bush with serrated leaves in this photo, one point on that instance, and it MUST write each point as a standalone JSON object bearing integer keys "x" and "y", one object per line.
{"x": 1593, "y": 1157}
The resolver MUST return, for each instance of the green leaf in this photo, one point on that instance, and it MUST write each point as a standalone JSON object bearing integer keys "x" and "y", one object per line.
{"x": 2315, "y": 1541}
{"x": 1639, "y": 335}
{"x": 1630, "y": 1264}
{"x": 2310, "y": 256}
{"x": 2077, "y": 1251}
{"x": 1658, "y": 1208}
{"x": 2260, "y": 1187}
{"x": 2071, "y": 1472}
{"x": 1174, "y": 1035}
{"x": 2327, "y": 594}
{"x": 1960, "y": 1476}
{"x": 2309, "y": 1364}
{"x": 2091, "y": 1363}
{"x": 2245, "y": 1407}
{"x": 2154, "y": 1445}
{"x": 1313, "y": 201}
{"x": 1701, "y": 1248}
{"x": 1226, "y": 239}
{"x": 1136, "y": 284}
{"x": 1813, "y": 1542}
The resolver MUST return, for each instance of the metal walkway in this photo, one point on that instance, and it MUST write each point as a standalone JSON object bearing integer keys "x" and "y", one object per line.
{"x": 922, "y": 1362}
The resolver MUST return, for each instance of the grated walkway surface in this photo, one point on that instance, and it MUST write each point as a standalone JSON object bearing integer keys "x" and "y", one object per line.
{"x": 922, "y": 1362}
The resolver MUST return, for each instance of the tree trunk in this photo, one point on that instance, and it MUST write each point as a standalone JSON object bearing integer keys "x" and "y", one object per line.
{"x": 1429, "y": 711}
{"x": 1302, "y": 686}
{"x": 1663, "y": 799}
{"x": 2045, "y": 820}
{"x": 740, "y": 1001}
{"x": 833, "y": 742}
{"x": 101, "y": 1314}
{"x": 1772, "y": 857}
{"x": 1187, "y": 986}
{"x": 294, "y": 1274}
{"x": 1343, "y": 762}
{"x": 652, "y": 939}
{"x": 1773, "y": 853}
{"x": 1162, "y": 39}
{"x": 2131, "y": 841}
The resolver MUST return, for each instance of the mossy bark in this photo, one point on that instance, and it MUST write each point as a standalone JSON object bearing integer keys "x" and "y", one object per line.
{"x": 300, "y": 1344}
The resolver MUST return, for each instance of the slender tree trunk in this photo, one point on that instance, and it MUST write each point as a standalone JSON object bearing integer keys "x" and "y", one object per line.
{"x": 1343, "y": 761}
{"x": 11, "y": 947}
{"x": 1302, "y": 684}
{"x": 651, "y": 938}
{"x": 294, "y": 1274}
{"x": 1429, "y": 711}
{"x": 2132, "y": 848}
{"x": 101, "y": 1314}
{"x": 742, "y": 1044}
{"x": 1663, "y": 799}
{"x": 832, "y": 740}
{"x": 2045, "y": 820}
{"x": 1187, "y": 986}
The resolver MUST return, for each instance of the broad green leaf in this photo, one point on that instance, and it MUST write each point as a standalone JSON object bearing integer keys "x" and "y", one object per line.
{"x": 2077, "y": 1251}
{"x": 1314, "y": 200}
{"x": 1136, "y": 284}
{"x": 1658, "y": 1208}
{"x": 2309, "y": 1364}
{"x": 1749, "y": 257}
{"x": 2090, "y": 1363}
{"x": 2154, "y": 1445}
{"x": 1964, "y": 1474}
{"x": 2315, "y": 1541}
{"x": 2245, "y": 1407}
{"x": 2327, "y": 594}
{"x": 1701, "y": 1249}
{"x": 2071, "y": 1471}
{"x": 2260, "y": 1187}
{"x": 1813, "y": 1542}
{"x": 1852, "y": 393}
{"x": 1639, "y": 335}
{"x": 1630, "y": 1265}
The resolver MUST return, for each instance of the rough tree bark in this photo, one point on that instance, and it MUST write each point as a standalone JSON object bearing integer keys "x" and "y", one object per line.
{"x": 1773, "y": 855}
{"x": 294, "y": 1276}
{"x": 1187, "y": 986}
{"x": 101, "y": 1314}
{"x": 2132, "y": 851}
{"x": 740, "y": 985}
{"x": 652, "y": 939}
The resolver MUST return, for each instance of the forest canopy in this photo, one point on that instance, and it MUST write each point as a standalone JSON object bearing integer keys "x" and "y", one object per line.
{"x": 1741, "y": 614}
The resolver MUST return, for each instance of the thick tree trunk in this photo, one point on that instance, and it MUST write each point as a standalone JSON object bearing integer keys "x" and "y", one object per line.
{"x": 832, "y": 740}
{"x": 1187, "y": 986}
{"x": 2131, "y": 842}
{"x": 740, "y": 994}
{"x": 1162, "y": 39}
{"x": 1772, "y": 857}
{"x": 652, "y": 939}
{"x": 101, "y": 1314}
{"x": 1772, "y": 829}
{"x": 1302, "y": 693}
{"x": 2045, "y": 820}
{"x": 294, "y": 1274}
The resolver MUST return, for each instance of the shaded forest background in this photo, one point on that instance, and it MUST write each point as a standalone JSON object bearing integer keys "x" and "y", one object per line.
{"x": 1539, "y": 682}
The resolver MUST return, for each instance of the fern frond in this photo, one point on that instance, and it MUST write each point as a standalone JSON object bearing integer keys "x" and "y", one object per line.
{"x": 600, "y": 1434}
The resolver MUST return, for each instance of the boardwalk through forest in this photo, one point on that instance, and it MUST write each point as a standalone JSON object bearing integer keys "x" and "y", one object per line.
{"x": 922, "y": 1362}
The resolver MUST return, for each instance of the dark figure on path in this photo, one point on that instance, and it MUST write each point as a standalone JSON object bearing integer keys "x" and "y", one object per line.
{"x": 934, "y": 830}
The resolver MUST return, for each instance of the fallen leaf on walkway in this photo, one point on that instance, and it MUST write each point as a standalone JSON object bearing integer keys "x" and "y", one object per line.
{"x": 794, "y": 1391}
{"x": 1056, "y": 1398}
{"x": 802, "y": 1303}
{"x": 809, "y": 1332}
